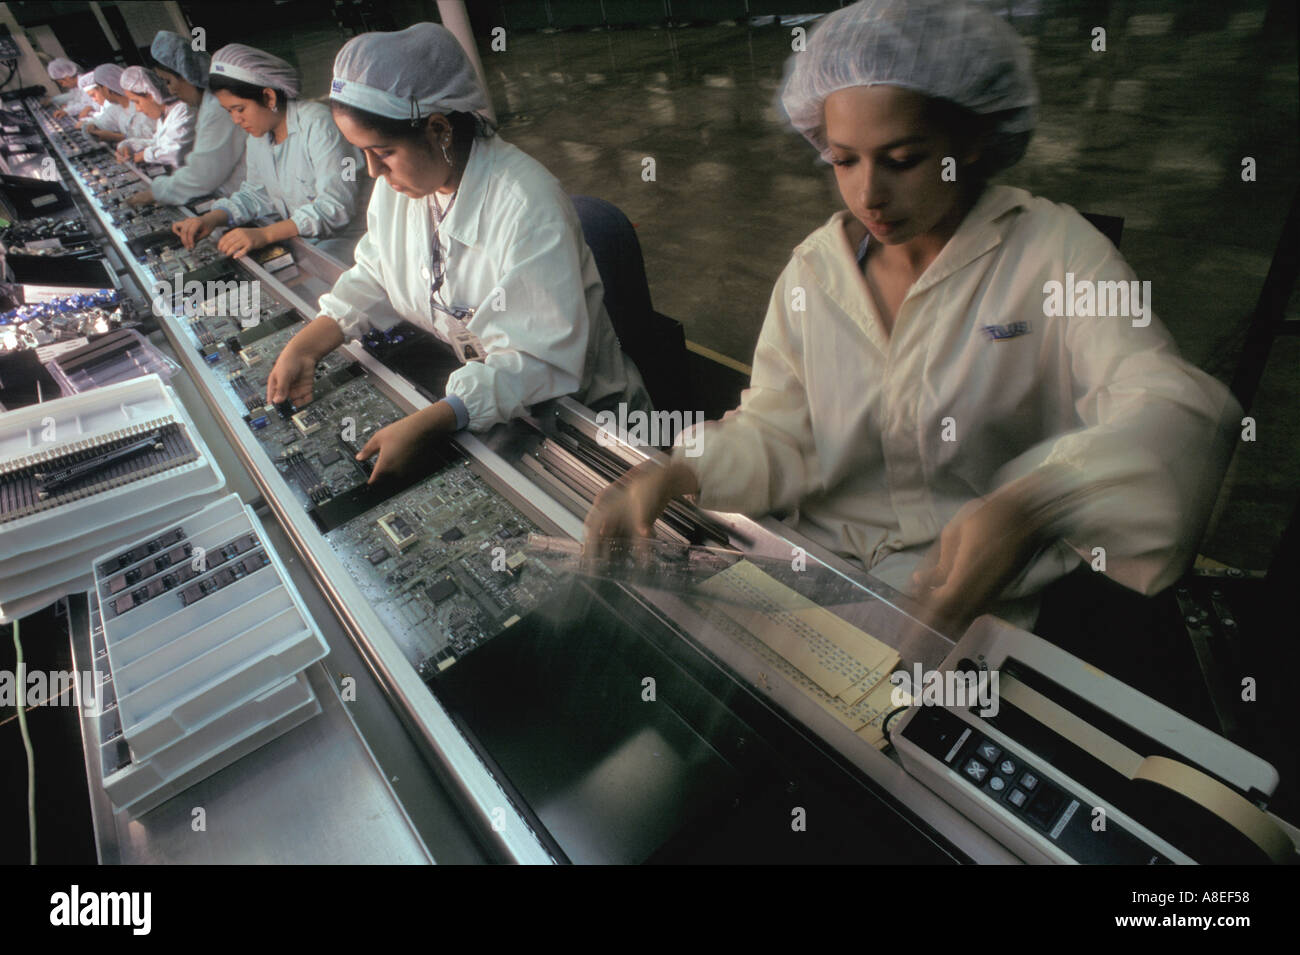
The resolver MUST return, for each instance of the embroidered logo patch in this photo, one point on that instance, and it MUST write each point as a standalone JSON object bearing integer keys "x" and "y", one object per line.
{"x": 1000, "y": 333}
{"x": 337, "y": 86}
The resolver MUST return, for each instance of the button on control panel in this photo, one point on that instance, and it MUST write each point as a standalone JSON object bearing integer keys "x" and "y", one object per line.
{"x": 1018, "y": 787}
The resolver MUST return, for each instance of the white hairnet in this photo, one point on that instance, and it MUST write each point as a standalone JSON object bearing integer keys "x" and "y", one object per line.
{"x": 408, "y": 74}
{"x": 61, "y": 68}
{"x": 173, "y": 52}
{"x": 247, "y": 64}
{"x": 146, "y": 83}
{"x": 109, "y": 75}
{"x": 940, "y": 48}
{"x": 86, "y": 80}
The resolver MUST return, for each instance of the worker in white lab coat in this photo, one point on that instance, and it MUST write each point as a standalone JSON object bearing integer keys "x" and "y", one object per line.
{"x": 469, "y": 238}
{"x": 116, "y": 118}
{"x": 216, "y": 163}
{"x": 73, "y": 101}
{"x": 921, "y": 401}
{"x": 173, "y": 138}
{"x": 301, "y": 174}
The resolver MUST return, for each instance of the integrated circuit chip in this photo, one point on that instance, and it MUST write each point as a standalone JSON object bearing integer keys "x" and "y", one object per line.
{"x": 454, "y": 534}
{"x": 441, "y": 589}
{"x": 378, "y": 556}
{"x": 399, "y": 531}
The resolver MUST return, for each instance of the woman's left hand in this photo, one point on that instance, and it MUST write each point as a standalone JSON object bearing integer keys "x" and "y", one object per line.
{"x": 239, "y": 242}
{"x": 979, "y": 552}
{"x": 396, "y": 444}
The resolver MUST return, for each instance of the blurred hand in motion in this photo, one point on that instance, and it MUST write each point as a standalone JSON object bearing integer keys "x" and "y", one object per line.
{"x": 978, "y": 554}
{"x": 630, "y": 506}
{"x": 141, "y": 198}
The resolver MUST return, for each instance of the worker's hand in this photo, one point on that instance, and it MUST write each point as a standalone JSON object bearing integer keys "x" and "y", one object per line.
{"x": 60, "y": 113}
{"x": 630, "y": 506}
{"x": 291, "y": 377}
{"x": 978, "y": 554}
{"x": 139, "y": 157}
{"x": 397, "y": 445}
{"x": 96, "y": 133}
{"x": 122, "y": 152}
{"x": 141, "y": 198}
{"x": 238, "y": 242}
{"x": 192, "y": 230}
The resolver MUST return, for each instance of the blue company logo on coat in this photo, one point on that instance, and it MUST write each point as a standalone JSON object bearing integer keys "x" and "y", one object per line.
{"x": 1000, "y": 333}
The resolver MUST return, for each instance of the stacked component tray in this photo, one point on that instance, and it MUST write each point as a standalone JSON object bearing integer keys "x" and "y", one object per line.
{"x": 205, "y": 640}
{"x": 80, "y": 474}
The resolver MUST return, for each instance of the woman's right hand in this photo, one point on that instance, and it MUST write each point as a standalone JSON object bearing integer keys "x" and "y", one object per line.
{"x": 291, "y": 378}
{"x": 630, "y": 506}
{"x": 192, "y": 230}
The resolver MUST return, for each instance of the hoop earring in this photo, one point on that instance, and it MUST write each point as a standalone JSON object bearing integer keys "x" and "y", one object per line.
{"x": 446, "y": 158}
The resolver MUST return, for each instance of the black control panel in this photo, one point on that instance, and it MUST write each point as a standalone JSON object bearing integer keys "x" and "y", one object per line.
{"x": 1004, "y": 777}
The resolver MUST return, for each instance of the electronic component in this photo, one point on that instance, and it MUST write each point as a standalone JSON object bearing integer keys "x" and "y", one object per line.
{"x": 195, "y": 682}
{"x": 308, "y": 422}
{"x": 398, "y": 530}
{"x": 57, "y": 476}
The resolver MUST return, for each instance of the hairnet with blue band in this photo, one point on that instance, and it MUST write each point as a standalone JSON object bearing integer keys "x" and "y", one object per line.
{"x": 173, "y": 52}
{"x": 948, "y": 50}
{"x": 247, "y": 64}
{"x": 144, "y": 82}
{"x": 407, "y": 74}
{"x": 61, "y": 68}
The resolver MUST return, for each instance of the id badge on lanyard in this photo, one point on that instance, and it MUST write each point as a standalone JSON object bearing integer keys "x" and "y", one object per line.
{"x": 465, "y": 343}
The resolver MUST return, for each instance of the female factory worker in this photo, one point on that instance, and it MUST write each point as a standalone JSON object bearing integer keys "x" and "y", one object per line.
{"x": 73, "y": 101}
{"x": 216, "y": 163}
{"x": 116, "y": 118}
{"x": 301, "y": 173}
{"x": 174, "y": 135}
{"x": 915, "y": 386}
{"x": 469, "y": 238}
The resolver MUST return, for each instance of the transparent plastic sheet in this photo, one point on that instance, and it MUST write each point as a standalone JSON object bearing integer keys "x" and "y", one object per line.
{"x": 131, "y": 356}
{"x": 683, "y": 569}
{"x": 825, "y": 632}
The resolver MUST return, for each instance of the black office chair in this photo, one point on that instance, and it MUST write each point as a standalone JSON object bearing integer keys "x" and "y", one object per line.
{"x": 655, "y": 342}
{"x": 1112, "y": 227}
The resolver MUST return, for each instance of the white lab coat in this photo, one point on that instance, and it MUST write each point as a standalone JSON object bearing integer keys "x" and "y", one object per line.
{"x": 844, "y": 428}
{"x": 172, "y": 138}
{"x": 215, "y": 164}
{"x": 138, "y": 125}
{"x": 514, "y": 253}
{"x": 127, "y": 120}
{"x": 303, "y": 178}
{"x": 73, "y": 102}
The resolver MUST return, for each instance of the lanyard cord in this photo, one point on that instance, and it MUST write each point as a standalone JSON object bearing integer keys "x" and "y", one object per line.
{"x": 437, "y": 270}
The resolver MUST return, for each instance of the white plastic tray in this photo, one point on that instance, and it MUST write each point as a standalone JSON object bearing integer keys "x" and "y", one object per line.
{"x": 42, "y": 553}
{"x": 203, "y": 749}
{"x": 177, "y": 667}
